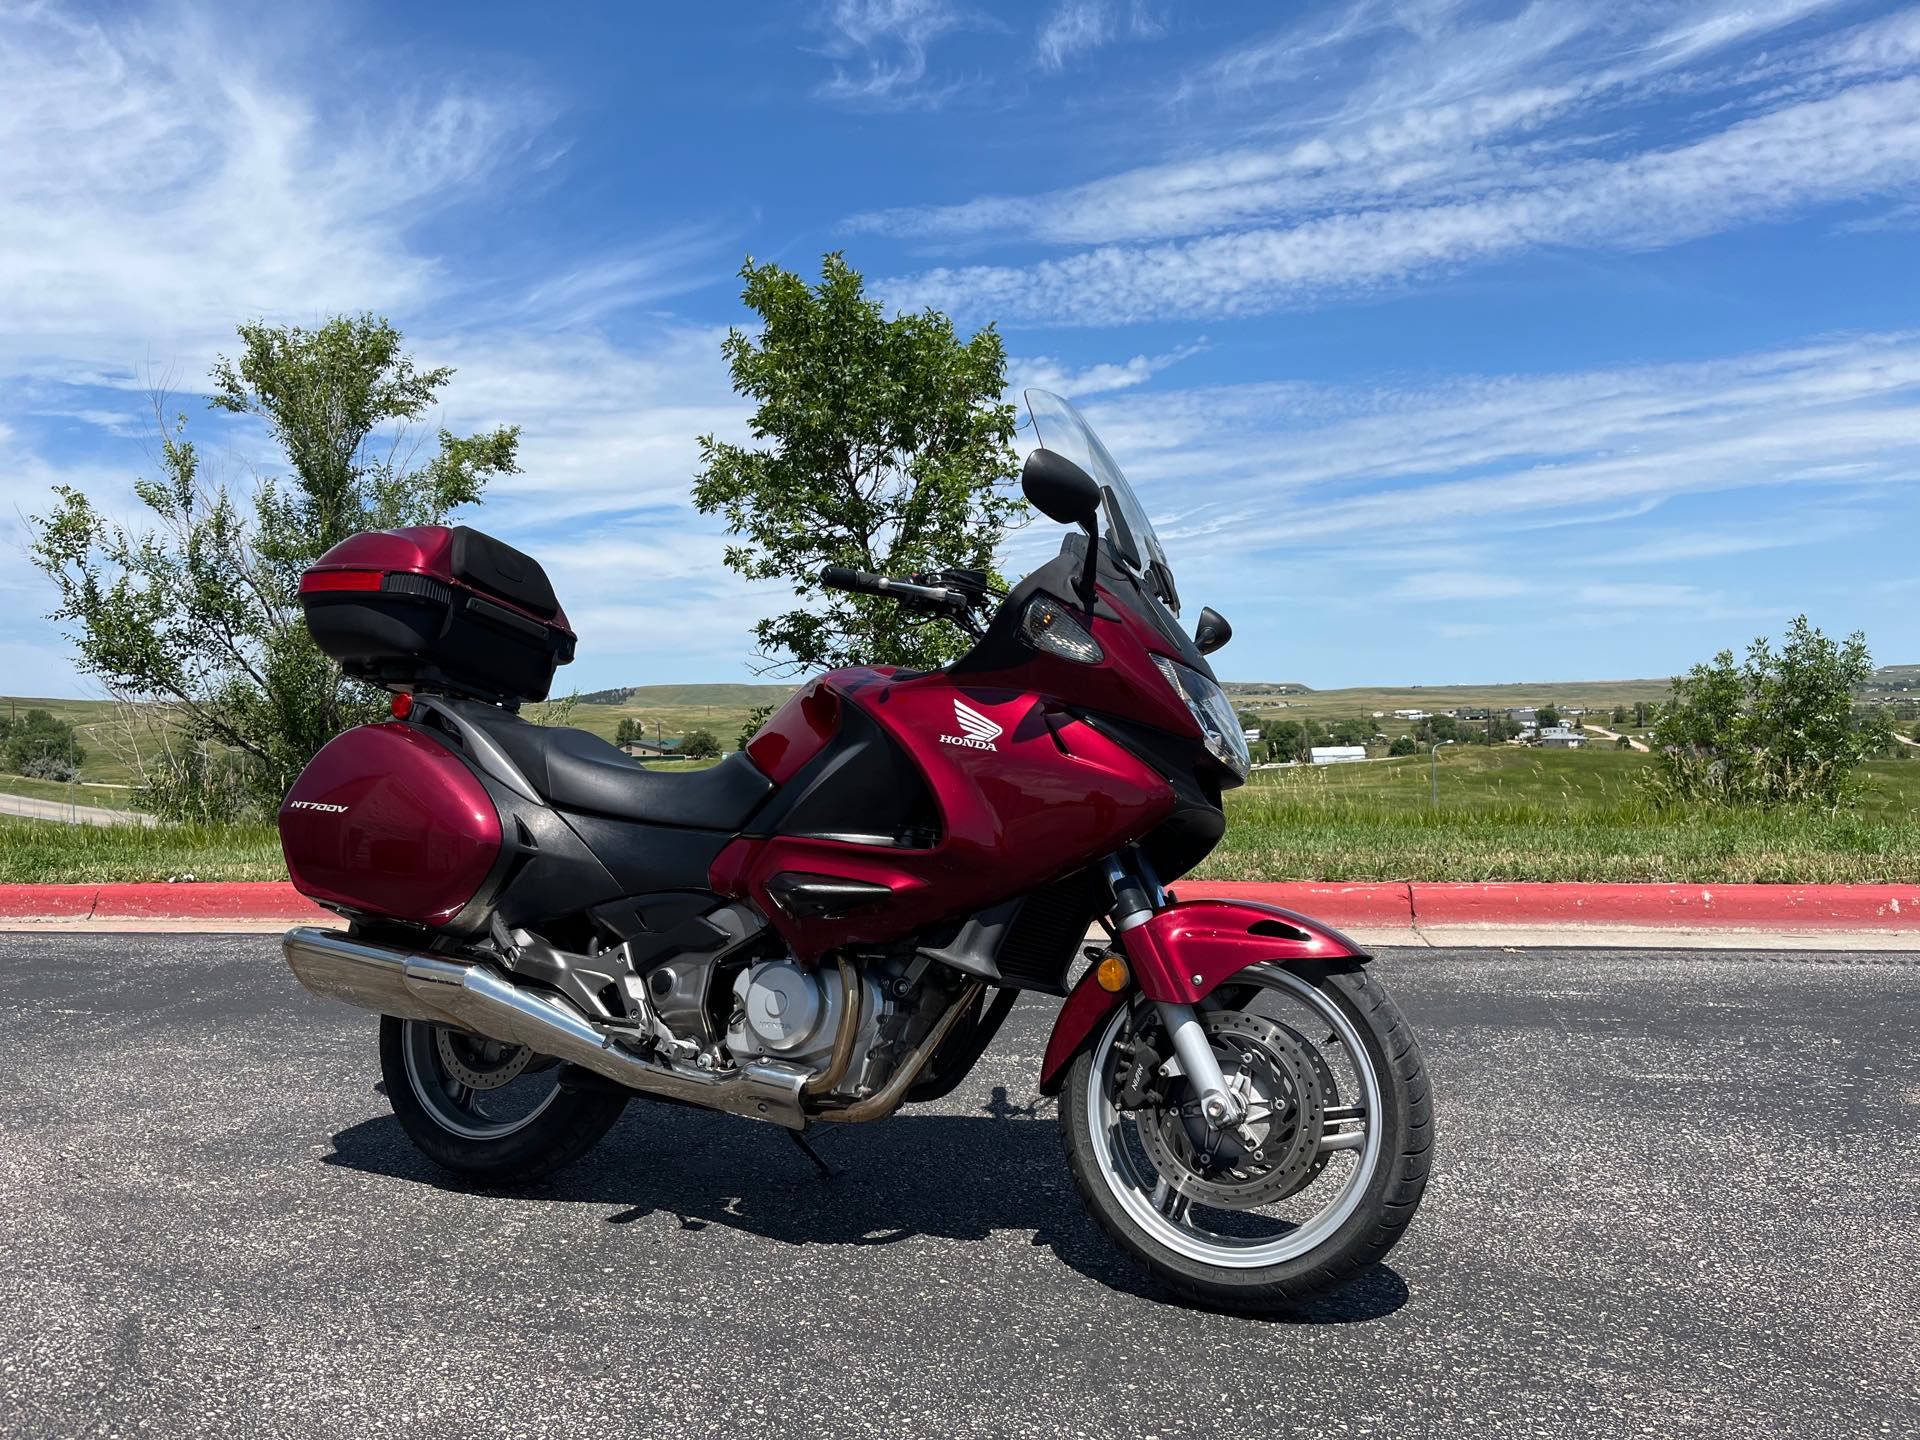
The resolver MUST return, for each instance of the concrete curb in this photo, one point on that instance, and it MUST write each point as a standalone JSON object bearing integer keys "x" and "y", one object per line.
{"x": 1373, "y": 908}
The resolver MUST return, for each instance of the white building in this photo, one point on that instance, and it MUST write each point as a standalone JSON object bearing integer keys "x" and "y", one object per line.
{"x": 1559, "y": 737}
{"x": 1337, "y": 754}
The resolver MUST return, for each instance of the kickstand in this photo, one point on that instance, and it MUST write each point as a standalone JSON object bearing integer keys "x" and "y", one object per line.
{"x": 826, "y": 1170}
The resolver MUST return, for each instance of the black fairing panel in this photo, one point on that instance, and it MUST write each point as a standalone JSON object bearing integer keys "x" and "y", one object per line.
{"x": 860, "y": 787}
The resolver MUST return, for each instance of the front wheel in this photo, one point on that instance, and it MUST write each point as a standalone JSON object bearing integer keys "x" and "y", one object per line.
{"x": 492, "y": 1112}
{"x": 1317, "y": 1181}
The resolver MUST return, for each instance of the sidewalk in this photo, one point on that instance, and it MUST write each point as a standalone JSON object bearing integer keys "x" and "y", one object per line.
{"x": 1807, "y": 917}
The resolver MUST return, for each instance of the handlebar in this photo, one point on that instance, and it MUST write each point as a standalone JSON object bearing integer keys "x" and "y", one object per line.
{"x": 865, "y": 582}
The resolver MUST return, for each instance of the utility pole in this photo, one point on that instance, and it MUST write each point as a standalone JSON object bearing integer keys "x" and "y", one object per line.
{"x": 1433, "y": 775}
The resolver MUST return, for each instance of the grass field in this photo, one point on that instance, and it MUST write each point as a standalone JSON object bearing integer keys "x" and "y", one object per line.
{"x": 1508, "y": 813}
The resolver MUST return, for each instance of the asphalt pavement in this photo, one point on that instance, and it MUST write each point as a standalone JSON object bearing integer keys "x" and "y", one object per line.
{"x": 31, "y": 807}
{"x": 1676, "y": 1194}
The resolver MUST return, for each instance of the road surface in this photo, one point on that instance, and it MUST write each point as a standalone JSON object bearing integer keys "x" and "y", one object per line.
{"x": 33, "y": 808}
{"x": 1677, "y": 1194}
{"x": 1606, "y": 734}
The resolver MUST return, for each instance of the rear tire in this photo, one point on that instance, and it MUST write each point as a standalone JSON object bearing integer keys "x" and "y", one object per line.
{"x": 1387, "y": 1196}
{"x": 558, "y": 1127}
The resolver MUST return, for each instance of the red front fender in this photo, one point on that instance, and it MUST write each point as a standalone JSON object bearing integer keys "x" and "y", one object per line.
{"x": 1181, "y": 954}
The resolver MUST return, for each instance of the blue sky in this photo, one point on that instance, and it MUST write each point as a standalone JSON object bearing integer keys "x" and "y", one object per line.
{"x": 1445, "y": 342}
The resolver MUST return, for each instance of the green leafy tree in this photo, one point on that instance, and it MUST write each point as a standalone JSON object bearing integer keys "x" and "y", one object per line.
{"x": 1404, "y": 745}
{"x": 39, "y": 745}
{"x": 883, "y": 445}
{"x": 1775, "y": 728}
{"x": 699, "y": 745}
{"x": 199, "y": 610}
{"x": 1286, "y": 740}
{"x": 1546, "y": 717}
{"x": 627, "y": 732}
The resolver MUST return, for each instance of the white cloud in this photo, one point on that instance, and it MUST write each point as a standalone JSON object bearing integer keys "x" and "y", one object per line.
{"x": 879, "y": 48}
{"x": 1043, "y": 372}
{"x": 155, "y": 187}
{"x": 1861, "y": 142}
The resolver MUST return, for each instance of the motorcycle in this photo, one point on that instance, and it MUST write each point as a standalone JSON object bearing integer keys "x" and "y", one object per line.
{"x": 837, "y": 920}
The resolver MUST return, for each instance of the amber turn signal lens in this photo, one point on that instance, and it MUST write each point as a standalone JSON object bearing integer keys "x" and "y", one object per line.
{"x": 1112, "y": 974}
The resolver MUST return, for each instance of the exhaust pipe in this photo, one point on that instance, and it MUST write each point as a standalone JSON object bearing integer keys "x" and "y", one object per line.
{"x": 442, "y": 991}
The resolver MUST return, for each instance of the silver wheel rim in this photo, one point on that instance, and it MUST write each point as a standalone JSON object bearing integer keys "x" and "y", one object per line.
{"x": 455, "y": 1107}
{"x": 1140, "y": 1192}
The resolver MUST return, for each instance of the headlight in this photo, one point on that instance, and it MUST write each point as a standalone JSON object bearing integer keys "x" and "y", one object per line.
{"x": 1049, "y": 627}
{"x": 1219, "y": 726}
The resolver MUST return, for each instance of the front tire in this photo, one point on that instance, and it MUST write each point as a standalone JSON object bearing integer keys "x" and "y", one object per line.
{"x": 1316, "y": 1192}
{"x": 488, "y": 1112}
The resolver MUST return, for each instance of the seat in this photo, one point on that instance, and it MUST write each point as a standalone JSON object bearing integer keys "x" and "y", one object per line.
{"x": 575, "y": 770}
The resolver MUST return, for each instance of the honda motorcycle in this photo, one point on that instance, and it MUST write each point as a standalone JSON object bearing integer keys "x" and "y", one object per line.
{"x": 835, "y": 922}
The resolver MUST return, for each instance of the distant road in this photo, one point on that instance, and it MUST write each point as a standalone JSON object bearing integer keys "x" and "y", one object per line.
{"x": 1607, "y": 734}
{"x": 35, "y": 809}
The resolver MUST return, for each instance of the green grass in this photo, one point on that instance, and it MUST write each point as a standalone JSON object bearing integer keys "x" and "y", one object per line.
{"x": 47, "y": 852}
{"x": 1507, "y": 813}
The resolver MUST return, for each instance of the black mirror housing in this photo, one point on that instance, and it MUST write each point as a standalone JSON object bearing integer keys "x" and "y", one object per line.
{"x": 1060, "y": 489}
{"x": 1211, "y": 631}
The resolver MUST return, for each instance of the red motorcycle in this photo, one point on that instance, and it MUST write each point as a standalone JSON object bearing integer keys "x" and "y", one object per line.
{"x": 835, "y": 922}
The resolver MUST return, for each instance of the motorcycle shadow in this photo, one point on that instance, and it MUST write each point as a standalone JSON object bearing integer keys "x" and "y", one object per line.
{"x": 955, "y": 1177}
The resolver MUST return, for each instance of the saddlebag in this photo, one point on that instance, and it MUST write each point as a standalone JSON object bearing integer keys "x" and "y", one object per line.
{"x": 438, "y": 608}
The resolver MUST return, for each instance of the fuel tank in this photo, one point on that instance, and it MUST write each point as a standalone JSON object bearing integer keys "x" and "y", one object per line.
{"x": 387, "y": 821}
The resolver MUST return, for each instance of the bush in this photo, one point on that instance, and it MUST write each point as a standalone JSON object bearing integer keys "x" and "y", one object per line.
{"x": 1773, "y": 729}
{"x": 700, "y": 745}
{"x": 1403, "y": 746}
{"x": 39, "y": 746}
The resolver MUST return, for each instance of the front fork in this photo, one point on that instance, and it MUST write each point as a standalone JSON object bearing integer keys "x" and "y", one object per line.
{"x": 1137, "y": 898}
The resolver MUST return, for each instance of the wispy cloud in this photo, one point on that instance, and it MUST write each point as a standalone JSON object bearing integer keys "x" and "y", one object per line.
{"x": 1465, "y": 143}
{"x": 1045, "y": 373}
{"x": 154, "y": 187}
{"x": 880, "y": 50}
{"x": 1074, "y": 28}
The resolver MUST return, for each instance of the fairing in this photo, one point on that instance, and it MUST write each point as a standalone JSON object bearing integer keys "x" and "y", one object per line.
{"x": 1024, "y": 791}
{"x": 1182, "y": 954}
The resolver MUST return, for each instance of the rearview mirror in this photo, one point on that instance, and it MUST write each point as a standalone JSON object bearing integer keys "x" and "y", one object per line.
{"x": 1060, "y": 489}
{"x": 1211, "y": 631}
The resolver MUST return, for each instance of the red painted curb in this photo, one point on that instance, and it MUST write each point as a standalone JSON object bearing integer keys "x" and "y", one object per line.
{"x": 1370, "y": 904}
{"x": 187, "y": 900}
{"x": 1782, "y": 907}
{"x": 1396, "y": 904}
{"x": 1777, "y": 907}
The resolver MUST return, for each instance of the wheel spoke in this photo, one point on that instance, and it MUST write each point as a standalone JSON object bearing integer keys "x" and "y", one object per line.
{"x": 1343, "y": 1140}
{"x": 1336, "y": 1113}
{"x": 1170, "y": 1202}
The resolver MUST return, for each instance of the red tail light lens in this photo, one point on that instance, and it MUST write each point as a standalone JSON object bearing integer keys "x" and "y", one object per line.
{"x": 402, "y": 705}
{"x": 317, "y": 582}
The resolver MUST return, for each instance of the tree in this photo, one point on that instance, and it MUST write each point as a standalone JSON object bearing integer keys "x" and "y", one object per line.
{"x": 201, "y": 611}
{"x": 1774, "y": 728}
{"x": 627, "y": 732}
{"x": 1404, "y": 745}
{"x": 1619, "y": 715}
{"x": 1546, "y": 717}
{"x": 1249, "y": 722}
{"x": 40, "y": 746}
{"x": 699, "y": 745}
{"x": 887, "y": 448}
{"x": 1286, "y": 740}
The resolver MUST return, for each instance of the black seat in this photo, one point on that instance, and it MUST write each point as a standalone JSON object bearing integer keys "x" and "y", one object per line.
{"x": 575, "y": 770}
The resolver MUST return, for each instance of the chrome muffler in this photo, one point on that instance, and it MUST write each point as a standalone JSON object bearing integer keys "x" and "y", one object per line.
{"x": 444, "y": 991}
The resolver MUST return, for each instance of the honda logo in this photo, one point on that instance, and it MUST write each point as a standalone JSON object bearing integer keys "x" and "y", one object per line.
{"x": 978, "y": 732}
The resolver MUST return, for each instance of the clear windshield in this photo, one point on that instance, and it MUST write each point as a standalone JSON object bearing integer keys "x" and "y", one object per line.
{"x": 1062, "y": 429}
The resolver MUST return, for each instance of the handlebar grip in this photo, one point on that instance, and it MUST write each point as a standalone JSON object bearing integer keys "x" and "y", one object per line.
{"x": 839, "y": 577}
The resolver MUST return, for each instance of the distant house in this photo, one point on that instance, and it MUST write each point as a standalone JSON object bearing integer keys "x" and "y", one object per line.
{"x": 647, "y": 750}
{"x": 1559, "y": 737}
{"x": 1337, "y": 754}
{"x": 1410, "y": 714}
{"x": 1525, "y": 715}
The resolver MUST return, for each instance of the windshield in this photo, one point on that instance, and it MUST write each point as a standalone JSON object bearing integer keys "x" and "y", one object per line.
{"x": 1062, "y": 429}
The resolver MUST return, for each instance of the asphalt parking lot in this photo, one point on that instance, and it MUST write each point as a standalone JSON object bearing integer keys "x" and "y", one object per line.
{"x": 1677, "y": 1194}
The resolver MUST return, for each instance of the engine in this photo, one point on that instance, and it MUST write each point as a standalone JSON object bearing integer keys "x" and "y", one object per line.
{"x": 784, "y": 1011}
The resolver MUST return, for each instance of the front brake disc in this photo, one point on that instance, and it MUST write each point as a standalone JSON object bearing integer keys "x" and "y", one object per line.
{"x": 1274, "y": 1151}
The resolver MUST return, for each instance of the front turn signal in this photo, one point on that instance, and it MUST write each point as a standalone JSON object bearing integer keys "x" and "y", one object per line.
{"x": 1112, "y": 974}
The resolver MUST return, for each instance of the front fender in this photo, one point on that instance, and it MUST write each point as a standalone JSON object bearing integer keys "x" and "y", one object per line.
{"x": 1180, "y": 955}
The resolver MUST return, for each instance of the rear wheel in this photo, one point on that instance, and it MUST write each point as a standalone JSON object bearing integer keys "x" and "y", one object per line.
{"x": 492, "y": 1112}
{"x": 1314, "y": 1185}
